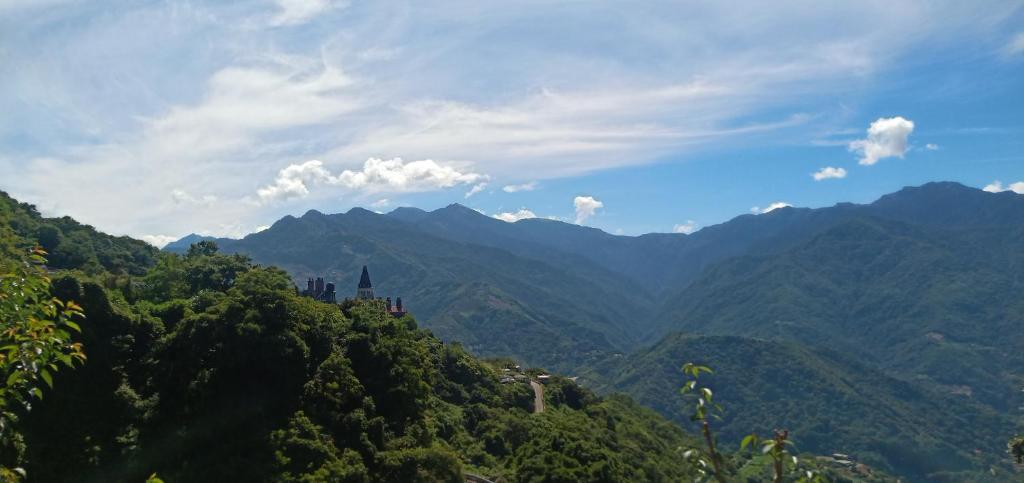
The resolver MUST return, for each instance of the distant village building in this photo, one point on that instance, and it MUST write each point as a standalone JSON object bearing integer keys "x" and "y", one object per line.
{"x": 324, "y": 292}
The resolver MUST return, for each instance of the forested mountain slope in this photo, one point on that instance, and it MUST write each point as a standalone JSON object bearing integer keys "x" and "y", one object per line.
{"x": 936, "y": 305}
{"x": 212, "y": 369}
{"x": 831, "y": 402}
{"x": 73, "y": 245}
{"x": 493, "y": 301}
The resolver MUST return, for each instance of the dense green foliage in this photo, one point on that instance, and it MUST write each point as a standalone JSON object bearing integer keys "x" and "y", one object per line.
{"x": 216, "y": 370}
{"x": 72, "y": 245}
{"x": 35, "y": 343}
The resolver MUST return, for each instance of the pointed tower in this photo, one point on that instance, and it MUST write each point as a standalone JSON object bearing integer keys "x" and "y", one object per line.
{"x": 365, "y": 290}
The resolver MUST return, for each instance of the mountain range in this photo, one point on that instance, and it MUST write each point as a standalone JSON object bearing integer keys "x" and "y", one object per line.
{"x": 904, "y": 314}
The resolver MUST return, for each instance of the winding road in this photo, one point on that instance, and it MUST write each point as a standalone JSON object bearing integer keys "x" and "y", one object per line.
{"x": 538, "y": 397}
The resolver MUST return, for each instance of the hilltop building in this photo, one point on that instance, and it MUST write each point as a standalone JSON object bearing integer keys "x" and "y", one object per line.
{"x": 325, "y": 292}
{"x": 365, "y": 292}
{"x": 397, "y": 309}
{"x": 320, "y": 291}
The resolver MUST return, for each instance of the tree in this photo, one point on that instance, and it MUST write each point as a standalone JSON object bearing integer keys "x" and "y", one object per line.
{"x": 35, "y": 336}
{"x": 1016, "y": 449}
{"x": 203, "y": 248}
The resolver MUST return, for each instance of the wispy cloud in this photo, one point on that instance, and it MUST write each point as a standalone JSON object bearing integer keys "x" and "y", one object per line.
{"x": 757, "y": 210}
{"x": 515, "y": 188}
{"x": 1016, "y": 44}
{"x": 295, "y": 12}
{"x": 122, "y": 107}
{"x": 475, "y": 189}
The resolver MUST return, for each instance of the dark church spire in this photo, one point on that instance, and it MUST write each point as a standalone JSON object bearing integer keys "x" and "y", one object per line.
{"x": 364, "y": 279}
{"x": 365, "y": 290}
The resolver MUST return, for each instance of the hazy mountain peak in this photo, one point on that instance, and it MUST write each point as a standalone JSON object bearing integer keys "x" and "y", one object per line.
{"x": 359, "y": 211}
{"x": 407, "y": 213}
{"x": 458, "y": 208}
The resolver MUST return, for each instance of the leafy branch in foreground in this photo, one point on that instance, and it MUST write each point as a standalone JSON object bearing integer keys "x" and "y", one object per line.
{"x": 704, "y": 407}
{"x": 35, "y": 333}
{"x": 776, "y": 451}
{"x": 710, "y": 462}
{"x": 35, "y": 339}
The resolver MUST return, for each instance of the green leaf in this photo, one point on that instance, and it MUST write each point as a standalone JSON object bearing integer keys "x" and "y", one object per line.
{"x": 46, "y": 377}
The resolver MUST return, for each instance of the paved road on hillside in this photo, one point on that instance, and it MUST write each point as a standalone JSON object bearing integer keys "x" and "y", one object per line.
{"x": 538, "y": 397}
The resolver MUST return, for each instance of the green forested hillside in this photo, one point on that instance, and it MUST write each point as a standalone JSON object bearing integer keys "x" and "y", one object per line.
{"x": 921, "y": 288}
{"x": 491, "y": 300}
{"x": 213, "y": 369}
{"x": 830, "y": 402}
{"x": 73, "y": 245}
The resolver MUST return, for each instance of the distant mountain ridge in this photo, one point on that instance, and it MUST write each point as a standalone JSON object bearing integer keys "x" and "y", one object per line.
{"x": 646, "y": 275}
{"x": 918, "y": 291}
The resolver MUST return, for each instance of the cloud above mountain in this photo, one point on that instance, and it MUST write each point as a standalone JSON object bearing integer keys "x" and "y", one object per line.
{"x": 515, "y": 188}
{"x": 997, "y": 187}
{"x": 586, "y": 206}
{"x": 829, "y": 172}
{"x": 686, "y": 228}
{"x": 377, "y": 175}
{"x": 514, "y": 216}
{"x": 887, "y": 137}
{"x": 757, "y": 210}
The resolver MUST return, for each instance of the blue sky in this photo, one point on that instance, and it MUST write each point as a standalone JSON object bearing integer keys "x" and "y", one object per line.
{"x": 157, "y": 119}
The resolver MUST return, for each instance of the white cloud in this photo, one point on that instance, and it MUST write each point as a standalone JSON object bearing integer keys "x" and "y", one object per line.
{"x": 182, "y": 197}
{"x": 243, "y": 103}
{"x": 689, "y": 227}
{"x": 931, "y": 147}
{"x": 475, "y": 189}
{"x": 381, "y": 203}
{"x": 829, "y": 172}
{"x": 997, "y": 187}
{"x": 772, "y": 207}
{"x": 294, "y": 12}
{"x": 294, "y": 181}
{"x": 586, "y": 206}
{"x": 376, "y": 175}
{"x": 513, "y": 217}
{"x": 1016, "y": 44}
{"x": 887, "y": 137}
{"x": 515, "y": 188}
{"x": 100, "y": 121}
{"x": 158, "y": 240}
{"x": 397, "y": 175}
{"x": 261, "y": 228}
